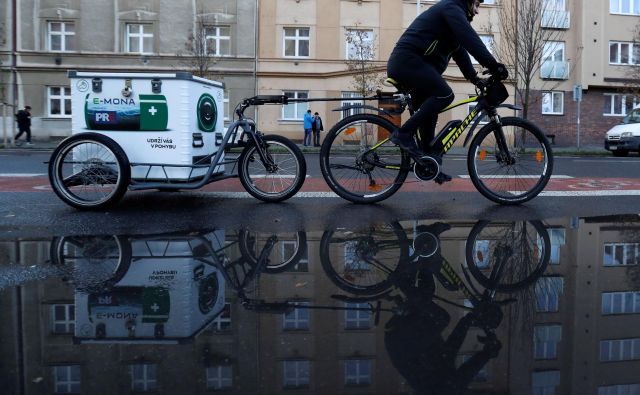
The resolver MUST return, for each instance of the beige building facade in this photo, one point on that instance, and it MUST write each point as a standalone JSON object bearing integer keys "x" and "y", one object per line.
{"x": 299, "y": 48}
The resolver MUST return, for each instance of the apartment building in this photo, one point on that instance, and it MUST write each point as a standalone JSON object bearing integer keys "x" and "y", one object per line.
{"x": 302, "y": 49}
{"x": 41, "y": 40}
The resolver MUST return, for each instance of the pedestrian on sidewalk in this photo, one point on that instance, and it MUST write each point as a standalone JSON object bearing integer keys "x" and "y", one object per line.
{"x": 317, "y": 128}
{"x": 308, "y": 127}
{"x": 23, "y": 117}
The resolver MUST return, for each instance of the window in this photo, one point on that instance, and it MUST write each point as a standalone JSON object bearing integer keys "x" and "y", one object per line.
{"x": 489, "y": 1}
{"x": 61, "y": 36}
{"x": 620, "y": 389}
{"x": 488, "y": 42}
{"x": 143, "y": 377}
{"x": 219, "y": 377}
{"x": 357, "y": 316}
{"x": 623, "y": 53}
{"x": 63, "y": 318}
{"x": 218, "y": 40}
{"x": 626, "y": 7}
{"x": 357, "y": 372}
{"x": 298, "y": 319}
{"x": 59, "y": 99}
{"x": 348, "y": 99}
{"x": 545, "y": 341}
{"x": 545, "y": 383}
{"x": 553, "y": 63}
{"x": 66, "y": 379}
{"x": 360, "y": 44}
{"x": 295, "y": 111}
{"x": 617, "y": 104}
{"x": 553, "y": 103}
{"x": 621, "y": 254}
{"x": 296, "y": 42}
{"x": 222, "y": 322}
{"x": 557, "y": 238}
{"x": 620, "y": 303}
{"x": 296, "y": 373}
{"x": 139, "y": 38}
{"x": 287, "y": 250}
{"x": 548, "y": 291}
{"x": 619, "y": 350}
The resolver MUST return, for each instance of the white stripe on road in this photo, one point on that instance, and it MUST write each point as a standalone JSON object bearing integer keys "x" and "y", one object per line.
{"x": 522, "y": 177}
{"x": 244, "y": 195}
{"x": 21, "y": 174}
{"x": 628, "y": 192}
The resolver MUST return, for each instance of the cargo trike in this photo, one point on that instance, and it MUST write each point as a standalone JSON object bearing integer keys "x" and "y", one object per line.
{"x": 141, "y": 131}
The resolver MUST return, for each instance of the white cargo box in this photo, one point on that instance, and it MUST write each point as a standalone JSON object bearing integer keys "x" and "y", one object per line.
{"x": 172, "y": 119}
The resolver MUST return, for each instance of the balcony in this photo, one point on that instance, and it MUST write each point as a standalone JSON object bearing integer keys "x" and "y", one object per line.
{"x": 554, "y": 70}
{"x": 555, "y": 19}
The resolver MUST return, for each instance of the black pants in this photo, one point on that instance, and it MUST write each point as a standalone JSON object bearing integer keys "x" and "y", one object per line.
{"x": 430, "y": 93}
{"x": 26, "y": 130}
{"x": 316, "y": 137}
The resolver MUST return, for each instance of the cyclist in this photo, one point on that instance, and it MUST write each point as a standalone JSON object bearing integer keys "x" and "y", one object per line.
{"x": 420, "y": 57}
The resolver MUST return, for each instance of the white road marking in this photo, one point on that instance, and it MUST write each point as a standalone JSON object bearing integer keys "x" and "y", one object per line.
{"x": 523, "y": 177}
{"x": 21, "y": 175}
{"x": 621, "y": 192}
{"x": 244, "y": 195}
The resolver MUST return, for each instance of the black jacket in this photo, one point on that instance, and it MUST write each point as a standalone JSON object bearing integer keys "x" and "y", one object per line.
{"x": 443, "y": 32}
{"x": 23, "y": 118}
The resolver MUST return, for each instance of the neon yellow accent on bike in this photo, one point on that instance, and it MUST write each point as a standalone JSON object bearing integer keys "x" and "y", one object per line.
{"x": 467, "y": 101}
{"x": 455, "y": 133}
{"x": 391, "y": 81}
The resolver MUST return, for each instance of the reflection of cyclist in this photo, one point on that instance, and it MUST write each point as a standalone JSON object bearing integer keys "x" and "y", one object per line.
{"x": 422, "y": 54}
{"x": 414, "y": 338}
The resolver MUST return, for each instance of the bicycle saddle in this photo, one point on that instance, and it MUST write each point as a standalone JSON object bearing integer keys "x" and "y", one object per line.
{"x": 390, "y": 81}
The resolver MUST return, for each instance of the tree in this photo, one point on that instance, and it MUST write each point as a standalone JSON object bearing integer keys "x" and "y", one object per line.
{"x": 199, "y": 55}
{"x": 529, "y": 29}
{"x": 633, "y": 70}
{"x": 361, "y": 52}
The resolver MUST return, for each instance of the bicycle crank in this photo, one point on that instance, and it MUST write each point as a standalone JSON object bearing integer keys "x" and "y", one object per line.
{"x": 427, "y": 169}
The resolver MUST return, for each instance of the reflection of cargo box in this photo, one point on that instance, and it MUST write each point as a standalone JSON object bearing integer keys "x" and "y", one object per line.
{"x": 167, "y": 119}
{"x": 166, "y": 296}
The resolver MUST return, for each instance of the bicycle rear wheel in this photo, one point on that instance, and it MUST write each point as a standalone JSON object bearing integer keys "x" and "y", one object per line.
{"x": 507, "y": 256}
{"x": 359, "y": 163}
{"x": 510, "y": 181}
{"x": 360, "y": 261}
{"x": 286, "y": 253}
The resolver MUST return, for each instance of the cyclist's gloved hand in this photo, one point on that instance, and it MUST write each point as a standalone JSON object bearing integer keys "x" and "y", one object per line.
{"x": 500, "y": 72}
{"x": 475, "y": 80}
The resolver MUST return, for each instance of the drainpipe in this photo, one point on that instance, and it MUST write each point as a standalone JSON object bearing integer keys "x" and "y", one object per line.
{"x": 14, "y": 62}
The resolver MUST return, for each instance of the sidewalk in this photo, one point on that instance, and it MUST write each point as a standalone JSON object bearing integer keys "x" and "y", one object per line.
{"x": 50, "y": 144}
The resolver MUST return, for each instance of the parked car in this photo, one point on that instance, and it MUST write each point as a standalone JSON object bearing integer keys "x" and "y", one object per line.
{"x": 624, "y": 137}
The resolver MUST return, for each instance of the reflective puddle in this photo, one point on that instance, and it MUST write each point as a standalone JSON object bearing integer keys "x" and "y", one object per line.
{"x": 424, "y": 306}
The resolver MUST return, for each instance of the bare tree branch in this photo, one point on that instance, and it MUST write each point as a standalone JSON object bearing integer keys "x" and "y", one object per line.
{"x": 367, "y": 76}
{"x": 199, "y": 55}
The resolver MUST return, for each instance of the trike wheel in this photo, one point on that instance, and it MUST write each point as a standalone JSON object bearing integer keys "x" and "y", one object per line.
{"x": 277, "y": 182}
{"x": 359, "y": 163}
{"x": 516, "y": 179}
{"x": 92, "y": 262}
{"x": 507, "y": 256}
{"x": 361, "y": 261}
{"x": 89, "y": 171}
{"x": 287, "y": 251}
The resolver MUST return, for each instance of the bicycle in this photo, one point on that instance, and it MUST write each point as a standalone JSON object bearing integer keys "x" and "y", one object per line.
{"x": 509, "y": 160}
{"x": 92, "y": 171}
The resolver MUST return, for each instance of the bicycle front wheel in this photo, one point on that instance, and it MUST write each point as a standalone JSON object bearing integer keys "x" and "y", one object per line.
{"x": 277, "y": 182}
{"x": 287, "y": 252}
{"x": 507, "y": 256}
{"x": 358, "y": 161}
{"x": 517, "y": 177}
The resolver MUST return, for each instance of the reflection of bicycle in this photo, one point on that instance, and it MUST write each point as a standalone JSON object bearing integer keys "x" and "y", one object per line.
{"x": 99, "y": 262}
{"x": 509, "y": 160}
{"x": 504, "y": 256}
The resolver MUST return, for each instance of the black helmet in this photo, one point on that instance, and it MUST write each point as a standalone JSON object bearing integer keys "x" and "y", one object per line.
{"x": 470, "y": 4}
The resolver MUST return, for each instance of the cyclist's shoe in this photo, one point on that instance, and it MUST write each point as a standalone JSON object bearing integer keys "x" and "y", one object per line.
{"x": 407, "y": 143}
{"x": 441, "y": 178}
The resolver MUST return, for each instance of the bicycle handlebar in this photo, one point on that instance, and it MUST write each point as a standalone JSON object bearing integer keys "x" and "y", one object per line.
{"x": 266, "y": 99}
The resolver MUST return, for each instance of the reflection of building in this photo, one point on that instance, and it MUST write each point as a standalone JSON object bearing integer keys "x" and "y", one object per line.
{"x": 583, "y": 338}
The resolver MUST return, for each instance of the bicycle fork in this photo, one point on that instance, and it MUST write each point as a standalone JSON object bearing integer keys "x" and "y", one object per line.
{"x": 504, "y": 154}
